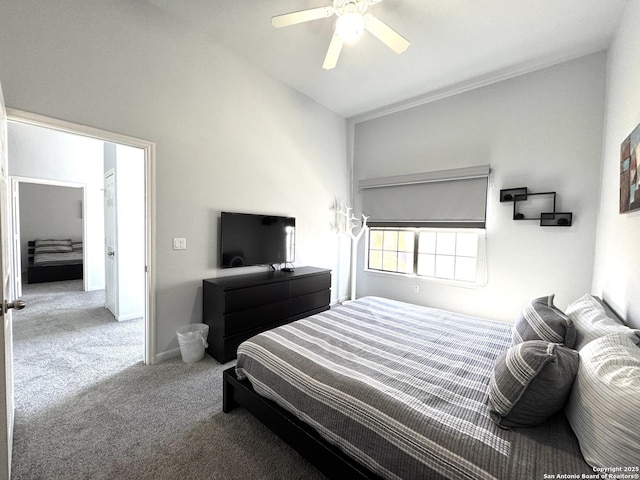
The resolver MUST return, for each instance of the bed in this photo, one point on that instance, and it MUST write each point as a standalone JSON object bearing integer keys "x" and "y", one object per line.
{"x": 383, "y": 389}
{"x": 54, "y": 260}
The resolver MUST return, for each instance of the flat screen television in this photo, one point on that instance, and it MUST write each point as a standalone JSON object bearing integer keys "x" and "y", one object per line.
{"x": 248, "y": 239}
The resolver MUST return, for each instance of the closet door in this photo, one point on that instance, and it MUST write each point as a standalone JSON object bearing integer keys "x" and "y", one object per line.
{"x": 110, "y": 237}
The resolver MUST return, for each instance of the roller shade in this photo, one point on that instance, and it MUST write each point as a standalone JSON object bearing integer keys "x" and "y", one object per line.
{"x": 447, "y": 198}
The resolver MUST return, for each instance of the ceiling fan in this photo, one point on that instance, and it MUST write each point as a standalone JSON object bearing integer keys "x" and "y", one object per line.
{"x": 352, "y": 20}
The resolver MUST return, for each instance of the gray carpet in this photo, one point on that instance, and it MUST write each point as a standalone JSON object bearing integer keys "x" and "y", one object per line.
{"x": 87, "y": 408}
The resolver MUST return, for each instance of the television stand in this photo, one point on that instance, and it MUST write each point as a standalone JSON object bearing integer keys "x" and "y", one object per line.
{"x": 241, "y": 306}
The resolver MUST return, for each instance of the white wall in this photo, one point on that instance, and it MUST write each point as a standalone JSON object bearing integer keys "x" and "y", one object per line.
{"x": 48, "y": 211}
{"x": 542, "y": 130}
{"x": 617, "y": 260}
{"x": 228, "y": 136}
{"x": 50, "y": 155}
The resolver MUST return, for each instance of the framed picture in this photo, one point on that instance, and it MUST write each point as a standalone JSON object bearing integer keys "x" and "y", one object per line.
{"x": 629, "y": 180}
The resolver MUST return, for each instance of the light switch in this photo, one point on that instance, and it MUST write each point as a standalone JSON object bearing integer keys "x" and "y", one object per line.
{"x": 179, "y": 243}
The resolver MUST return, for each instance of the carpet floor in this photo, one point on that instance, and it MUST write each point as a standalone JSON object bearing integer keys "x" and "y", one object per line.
{"x": 86, "y": 407}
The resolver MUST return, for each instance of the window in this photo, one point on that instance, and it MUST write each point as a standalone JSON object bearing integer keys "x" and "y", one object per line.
{"x": 392, "y": 250}
{"x": 429, "y": 224}
{"x": 444, "y": 254}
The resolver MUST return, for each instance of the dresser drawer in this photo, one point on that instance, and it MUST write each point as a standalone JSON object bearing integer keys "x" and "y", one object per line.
{"x": 244, "y": 298}
{"x": 252, "y": 318}
{"x": 311, "y": 301}
{"x": 313, "y": 284}
{"x": 230, "y": 346}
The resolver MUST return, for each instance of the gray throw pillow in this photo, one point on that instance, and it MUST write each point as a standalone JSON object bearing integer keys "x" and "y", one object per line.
{"x": 541, "y": 320}
{"x": 530, "y": 382}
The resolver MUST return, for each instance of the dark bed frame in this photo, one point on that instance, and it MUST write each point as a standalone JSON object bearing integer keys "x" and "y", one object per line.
{"x": 327, "y": 458}
{"x": 51, "y": 273}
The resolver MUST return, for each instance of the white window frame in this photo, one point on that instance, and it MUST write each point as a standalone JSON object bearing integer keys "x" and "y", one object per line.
{"x": 481, "y": 263}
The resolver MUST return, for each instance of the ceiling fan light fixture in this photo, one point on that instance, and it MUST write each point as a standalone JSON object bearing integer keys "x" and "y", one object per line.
{"x": 353, "y": 20}
{"x": 350, "y": 26}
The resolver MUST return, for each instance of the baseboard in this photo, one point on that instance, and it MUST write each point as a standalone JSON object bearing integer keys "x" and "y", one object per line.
{"x": 131, "y": 316}
{"x": 341, "y": 300}
{"x": 166, "y": 355}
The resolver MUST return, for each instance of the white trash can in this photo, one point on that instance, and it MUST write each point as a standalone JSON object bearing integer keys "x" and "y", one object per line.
{"x": 192, "y": 339}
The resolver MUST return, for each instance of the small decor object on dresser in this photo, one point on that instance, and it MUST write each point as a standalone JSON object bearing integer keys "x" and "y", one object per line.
{"x": 629, "y": 180}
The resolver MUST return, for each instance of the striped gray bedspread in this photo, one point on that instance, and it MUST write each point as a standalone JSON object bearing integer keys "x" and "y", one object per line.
{"x": 57, "y": 258}
{"x": 403, "y": 389}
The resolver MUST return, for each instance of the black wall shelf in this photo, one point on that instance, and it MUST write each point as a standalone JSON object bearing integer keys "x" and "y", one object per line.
{"x": 547, "y": 219}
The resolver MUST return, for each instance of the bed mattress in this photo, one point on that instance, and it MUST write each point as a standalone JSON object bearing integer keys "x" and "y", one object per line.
{"x": 57, "y": 258}
{"x": 403, "y": 389}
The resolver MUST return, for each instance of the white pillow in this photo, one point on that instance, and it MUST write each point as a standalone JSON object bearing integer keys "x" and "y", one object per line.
{"x": 605, "y": 400}
{"x": 591, "y": 321}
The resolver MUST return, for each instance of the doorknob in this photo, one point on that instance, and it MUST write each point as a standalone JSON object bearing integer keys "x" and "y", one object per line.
{"x": 17, "y": 305}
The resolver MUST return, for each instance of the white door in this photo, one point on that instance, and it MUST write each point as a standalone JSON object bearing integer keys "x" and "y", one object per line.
{"x": 110, "y": 236}
{"x": 6, "y": 304}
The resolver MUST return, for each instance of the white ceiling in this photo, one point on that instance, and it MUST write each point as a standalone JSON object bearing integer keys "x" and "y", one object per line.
{"x": 454, "y": 43}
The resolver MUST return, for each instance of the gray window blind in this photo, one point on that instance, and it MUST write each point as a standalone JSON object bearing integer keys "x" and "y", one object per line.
{"x": 446, "y": 198}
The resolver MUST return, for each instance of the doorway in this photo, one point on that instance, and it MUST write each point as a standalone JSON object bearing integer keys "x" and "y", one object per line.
{"x": 94, "y": 247}
{"x": 47, "y": 209}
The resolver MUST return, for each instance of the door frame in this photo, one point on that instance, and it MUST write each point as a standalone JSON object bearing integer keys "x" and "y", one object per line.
{"x": 149, "y": 148}
{"x": 16, "y": 181}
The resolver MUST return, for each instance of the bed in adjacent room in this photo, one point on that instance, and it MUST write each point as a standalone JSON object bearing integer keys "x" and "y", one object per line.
{"x": 378, "y": 388}
{"x": 54, "y": 260}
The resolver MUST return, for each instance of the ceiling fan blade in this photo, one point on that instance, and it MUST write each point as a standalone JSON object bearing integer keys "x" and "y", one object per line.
{"x": 301, "y": 16}
{"x": 331, "y": 59}
{"x": 385, "y": 34}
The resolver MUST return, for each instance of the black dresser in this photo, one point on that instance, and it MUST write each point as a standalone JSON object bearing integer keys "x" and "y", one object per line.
{"x": 238, "y": 307}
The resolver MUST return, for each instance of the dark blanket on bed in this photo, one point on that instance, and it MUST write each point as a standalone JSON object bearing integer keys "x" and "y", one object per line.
{"x": 403, "y": 389}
